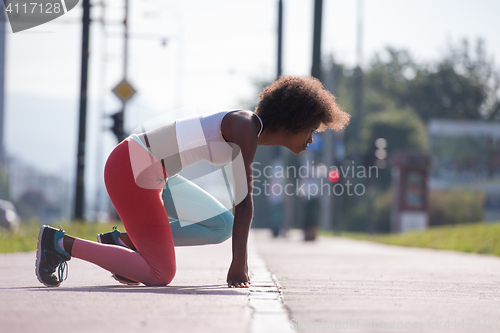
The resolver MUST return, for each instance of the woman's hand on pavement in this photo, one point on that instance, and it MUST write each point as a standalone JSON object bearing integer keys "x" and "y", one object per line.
{"x": 237, "y": 276}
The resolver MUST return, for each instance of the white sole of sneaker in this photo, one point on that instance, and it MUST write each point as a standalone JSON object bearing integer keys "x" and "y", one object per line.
{"x": 124, "y": 282}
{"x": 38, "y": 258}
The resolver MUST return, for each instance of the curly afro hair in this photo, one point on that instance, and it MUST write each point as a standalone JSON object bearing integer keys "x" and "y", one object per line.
{"x": 294, "y": 104}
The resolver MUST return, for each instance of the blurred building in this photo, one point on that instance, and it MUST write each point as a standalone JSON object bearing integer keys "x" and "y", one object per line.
{"x": 466, "y": 156}
{"x": 38, "y": 194}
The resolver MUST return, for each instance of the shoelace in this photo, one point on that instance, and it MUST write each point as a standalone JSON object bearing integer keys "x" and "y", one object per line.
{"x": 61, "y": 269}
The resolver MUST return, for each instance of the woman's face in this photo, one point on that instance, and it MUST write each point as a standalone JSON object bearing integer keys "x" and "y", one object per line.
{"x": 298, "y": 142}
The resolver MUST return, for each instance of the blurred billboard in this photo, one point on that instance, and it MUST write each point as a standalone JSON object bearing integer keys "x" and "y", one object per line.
{"x": 466, "y": 155}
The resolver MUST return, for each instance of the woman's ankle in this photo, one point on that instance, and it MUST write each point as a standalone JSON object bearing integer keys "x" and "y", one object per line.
{"x": 68, "y": 244}
{"x": 125, "y": 240}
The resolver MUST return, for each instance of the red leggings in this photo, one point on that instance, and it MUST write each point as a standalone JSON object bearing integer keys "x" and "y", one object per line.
{"x": 143, "y": 214}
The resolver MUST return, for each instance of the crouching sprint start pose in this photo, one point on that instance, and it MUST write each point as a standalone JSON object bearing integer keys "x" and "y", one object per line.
{"x": 160, "y": 209}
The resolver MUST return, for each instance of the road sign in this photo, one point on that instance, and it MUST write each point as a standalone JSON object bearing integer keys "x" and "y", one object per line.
{"x": 124, "y": 91}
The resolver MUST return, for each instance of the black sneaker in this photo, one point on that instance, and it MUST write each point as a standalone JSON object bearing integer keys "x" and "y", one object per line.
{"x": 50, "y": 256}
{"x": 111, "y": 238}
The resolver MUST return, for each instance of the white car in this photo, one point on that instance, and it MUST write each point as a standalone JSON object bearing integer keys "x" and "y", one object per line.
{"x": 8, "y": 215}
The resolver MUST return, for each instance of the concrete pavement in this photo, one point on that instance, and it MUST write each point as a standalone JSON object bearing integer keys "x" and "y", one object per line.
{"x": 198, "y": 300}
{"x": 333, "y": 284}
{"x": 337, "y": 284}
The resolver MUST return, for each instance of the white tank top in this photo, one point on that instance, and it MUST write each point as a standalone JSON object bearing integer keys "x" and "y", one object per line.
{"x": 199, "y": 138}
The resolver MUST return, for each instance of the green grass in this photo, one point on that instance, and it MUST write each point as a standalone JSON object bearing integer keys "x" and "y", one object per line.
{"x": 478, "y": 238}
{"x": 26, "y": 237}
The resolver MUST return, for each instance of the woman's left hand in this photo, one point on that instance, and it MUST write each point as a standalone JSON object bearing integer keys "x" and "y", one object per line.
{"x": 237, "y": 276}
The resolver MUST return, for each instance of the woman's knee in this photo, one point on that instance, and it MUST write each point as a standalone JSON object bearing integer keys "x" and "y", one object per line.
{"x": 162, "y": 277}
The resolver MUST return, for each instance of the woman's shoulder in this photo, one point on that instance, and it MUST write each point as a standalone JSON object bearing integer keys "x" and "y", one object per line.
{"x": 239, "y": 114}
{"x": 238, "y": 118}
{"x": 239, "y": 123}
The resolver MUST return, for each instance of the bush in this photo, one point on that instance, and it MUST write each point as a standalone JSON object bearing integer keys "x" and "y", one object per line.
{"x": 382, "y": 207}
{"x": 355, "y": 218}
{"x": 374, "y": 208}
{"x": 445, "y": 207}
{"x": 453, "y": 207}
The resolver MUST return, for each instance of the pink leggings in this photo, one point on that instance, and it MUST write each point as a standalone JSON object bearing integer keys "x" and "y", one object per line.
{"x": 144, "y": 216}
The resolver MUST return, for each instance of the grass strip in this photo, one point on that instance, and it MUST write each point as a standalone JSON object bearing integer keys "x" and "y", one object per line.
{"x": 26, "y": 237}
{"x": 476, "y": 238}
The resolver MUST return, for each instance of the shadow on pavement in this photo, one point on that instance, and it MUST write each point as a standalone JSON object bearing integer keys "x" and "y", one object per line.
{"x": 218, "y": 289}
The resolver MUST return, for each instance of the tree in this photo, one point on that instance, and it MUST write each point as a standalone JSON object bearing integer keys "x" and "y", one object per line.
{"x": 459, "y": 86}
{"x": 401, "y": 128}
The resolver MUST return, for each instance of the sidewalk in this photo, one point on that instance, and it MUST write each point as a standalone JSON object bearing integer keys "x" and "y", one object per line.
{"x": 338, "y": 283}
{"x": 198, "y": 300}
{"x": 357, "y": 286}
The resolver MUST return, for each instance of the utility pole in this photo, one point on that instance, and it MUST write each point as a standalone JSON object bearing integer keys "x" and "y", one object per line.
{"x": 124, "y": 91}
{"x": 313, "y": 204}
{"x": 280, "y": 38}
{"x": 80, "y": 162}
{"x": 125, "y": 52}
{"x": 358, "y": 89}
{"x": 316, "y": 58}
{"x": 125, "y": 42}
{"x": 277, "y": 206}
{"x": 327, "y": 203}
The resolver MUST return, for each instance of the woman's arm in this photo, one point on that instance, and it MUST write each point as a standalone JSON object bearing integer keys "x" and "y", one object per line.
{"x": 237, "y": 275}
{"x": 242, "y": 133}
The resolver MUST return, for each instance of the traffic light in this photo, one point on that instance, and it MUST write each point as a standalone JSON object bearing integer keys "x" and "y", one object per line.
{"x": 117, "y": 127}
{"x": 381, "y": 153}
{"x": 376, "y": 154}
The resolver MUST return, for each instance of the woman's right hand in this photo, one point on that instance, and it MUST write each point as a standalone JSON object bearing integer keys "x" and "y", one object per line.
{"x": 237, "y": 276}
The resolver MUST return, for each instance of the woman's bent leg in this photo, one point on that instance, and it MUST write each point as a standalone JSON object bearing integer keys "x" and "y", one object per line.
{"x": 196, "y": 217}
{"x": 143, "y": 214}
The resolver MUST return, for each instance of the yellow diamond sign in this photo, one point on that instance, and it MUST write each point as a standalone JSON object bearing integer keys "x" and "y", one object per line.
{"x": 124, "y": 91}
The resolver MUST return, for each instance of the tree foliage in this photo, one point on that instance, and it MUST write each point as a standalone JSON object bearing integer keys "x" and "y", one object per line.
{"x": 461, "y": 85}
{"x": 402, "y": 128}
{"x": 400, "y": 95}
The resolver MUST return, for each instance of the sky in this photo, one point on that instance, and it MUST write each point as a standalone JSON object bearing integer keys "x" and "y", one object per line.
{"x": 214, "y": 52}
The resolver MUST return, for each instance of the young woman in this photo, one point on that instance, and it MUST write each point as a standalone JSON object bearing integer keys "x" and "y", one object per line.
{"x": 160, "y": 209}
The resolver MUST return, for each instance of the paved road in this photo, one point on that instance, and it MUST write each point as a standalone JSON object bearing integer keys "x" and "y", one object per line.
{"x": 198, "y": 300}
{"x": 358, "y": 286}
{"x": 342, "y": 284}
